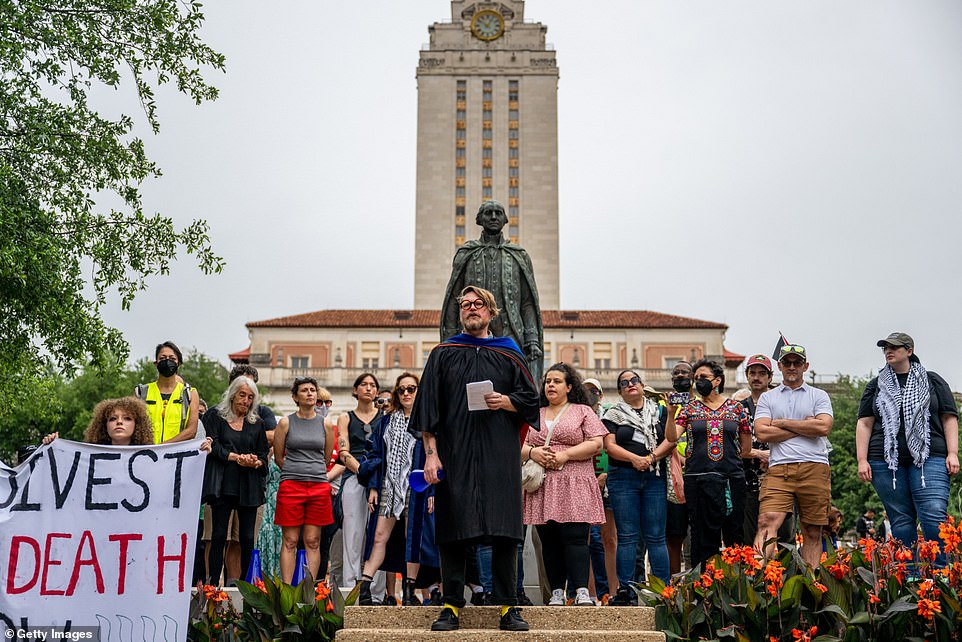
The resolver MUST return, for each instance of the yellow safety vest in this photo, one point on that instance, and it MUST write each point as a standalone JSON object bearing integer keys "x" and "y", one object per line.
{"x": 169, "y": 417}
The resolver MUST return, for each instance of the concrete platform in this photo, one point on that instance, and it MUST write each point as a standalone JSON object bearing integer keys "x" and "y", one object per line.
{"x": 569, "y": 618}
{"x": 486, "y": 635}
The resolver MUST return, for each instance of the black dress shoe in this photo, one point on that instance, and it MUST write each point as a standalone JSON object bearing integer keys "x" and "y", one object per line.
{"x": 524, "y": 600}
{"x": 435, "y": 598}
{"x": 447, "y": 621}
{"x": 512, "y": 621}
{"x": 624, "y": 597}
{"x": 477, "y": 598}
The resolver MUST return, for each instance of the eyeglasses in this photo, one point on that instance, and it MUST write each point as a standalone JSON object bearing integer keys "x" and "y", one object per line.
{"x": 476, "y": 304}
{"x": 889, "y": 346}
{"x": 793, "y": 363}
{"x": 624, "y": 383}
{"x": 408, "y": 389}
{"x": 382, "y": 401}
{"x": 324, "y": 402}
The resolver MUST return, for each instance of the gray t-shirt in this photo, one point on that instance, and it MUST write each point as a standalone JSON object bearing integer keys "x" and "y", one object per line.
{"x": 801, "y": 403}
{"x": 304, "y": 452}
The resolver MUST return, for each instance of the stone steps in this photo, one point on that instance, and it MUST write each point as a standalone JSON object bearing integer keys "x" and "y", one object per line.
{"x": 480, "y": 623}
{"x": 494, "y": 635}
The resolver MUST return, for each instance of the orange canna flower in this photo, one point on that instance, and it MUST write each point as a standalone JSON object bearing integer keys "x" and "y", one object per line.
{"x": 821, "y": 587}
{"x": 928, "y": 550}
{"x": 867, "y": 546}
{"x": 209, "y": 591}
{"x": 259, "y": 583}
{"x": 873, "y": 598}
{"x": 321, "y": 591}
{"x": 928, "y": 608}
{"x": 804, "y": 636}
{"x": 669, "y": 592}
{"x": 329, "y": 607}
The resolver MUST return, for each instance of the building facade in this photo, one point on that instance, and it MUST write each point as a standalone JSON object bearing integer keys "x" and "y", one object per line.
{"x": 335, "y": 346}
{"x": 487, "y": 129}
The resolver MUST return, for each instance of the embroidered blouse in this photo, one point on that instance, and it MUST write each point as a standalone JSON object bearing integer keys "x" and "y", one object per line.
{"x": 713, "y": 437}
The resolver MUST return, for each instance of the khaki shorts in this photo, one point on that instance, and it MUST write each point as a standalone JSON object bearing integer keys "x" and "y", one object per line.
{"x": 809, "y": 483}
{"x": 233, "y": 526}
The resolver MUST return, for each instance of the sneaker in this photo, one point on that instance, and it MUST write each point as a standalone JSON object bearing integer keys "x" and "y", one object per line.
{"x": 435, "y": 599}
{"x": 512, "y": 621}
{"x": 557, "y": 598}
{"x": 524, "y": 600}
{"x": 447, "y": 621}
{"x": 477, "y": 598}
{"x": 582, "y": 598}
{"x": 624, "y": 597}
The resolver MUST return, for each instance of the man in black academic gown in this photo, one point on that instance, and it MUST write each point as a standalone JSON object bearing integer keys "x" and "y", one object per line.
{"x": 479, "y": 452}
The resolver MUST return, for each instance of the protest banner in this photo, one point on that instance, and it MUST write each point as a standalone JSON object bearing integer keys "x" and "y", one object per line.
{"x": 94, "y": 535}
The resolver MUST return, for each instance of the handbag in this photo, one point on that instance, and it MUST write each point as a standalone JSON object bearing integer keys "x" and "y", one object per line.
{"x": 533, "y": 473}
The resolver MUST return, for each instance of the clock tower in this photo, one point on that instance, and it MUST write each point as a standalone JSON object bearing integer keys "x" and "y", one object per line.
{"x": 487, "y": 129}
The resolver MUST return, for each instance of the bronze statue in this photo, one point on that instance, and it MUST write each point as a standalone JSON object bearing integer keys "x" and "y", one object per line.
{"x": 505, "y": 270}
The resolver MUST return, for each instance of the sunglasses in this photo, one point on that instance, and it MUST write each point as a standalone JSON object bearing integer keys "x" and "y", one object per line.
{"x": 634, "y": 381}
{"x": 408, "y": 389}
{"x": 324, "y": 402}
{"x": 477, "y": 304}
{"x": 791, "y": 350}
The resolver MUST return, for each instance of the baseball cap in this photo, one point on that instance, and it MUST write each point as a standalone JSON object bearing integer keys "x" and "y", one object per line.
{"x": 760, "y": 360}
{"x": 791, "y": 349}
{"x": 596, "y": 384}
{"x": 897, "y": 339}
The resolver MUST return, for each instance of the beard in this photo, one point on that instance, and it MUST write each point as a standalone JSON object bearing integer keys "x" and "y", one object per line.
{"x": 474, "y": 323}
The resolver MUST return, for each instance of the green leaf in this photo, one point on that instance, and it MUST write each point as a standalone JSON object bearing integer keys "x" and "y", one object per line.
{"x": 862, "y": 617}
{"x": 792, "y": 591}
{"x": 901, "y": 605}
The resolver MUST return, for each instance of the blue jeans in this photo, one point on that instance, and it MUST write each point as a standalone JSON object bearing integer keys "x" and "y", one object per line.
{"x": 640, "y": 505}
{"x": 909, "y": 502}
{"x": 597, "y": 551}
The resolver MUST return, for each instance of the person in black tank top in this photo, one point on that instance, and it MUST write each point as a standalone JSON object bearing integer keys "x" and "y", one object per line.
{"x": 353, "y": 431}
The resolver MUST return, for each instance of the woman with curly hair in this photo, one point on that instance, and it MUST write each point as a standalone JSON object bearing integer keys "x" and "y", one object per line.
{"x": 117, "y": 422}
{"x": 569, "y": 499}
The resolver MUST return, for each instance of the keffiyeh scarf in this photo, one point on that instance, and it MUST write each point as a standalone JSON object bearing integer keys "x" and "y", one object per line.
{"x": 911, "y": 403}
{"x": 644, "y": 421}
{"x": 400, "y": 448}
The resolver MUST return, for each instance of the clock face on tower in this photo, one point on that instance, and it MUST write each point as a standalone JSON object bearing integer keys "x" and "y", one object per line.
{"x": 487, "y": 25}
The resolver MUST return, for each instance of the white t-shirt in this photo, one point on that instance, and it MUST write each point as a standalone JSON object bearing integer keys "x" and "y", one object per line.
{"x": 801, "y": 403}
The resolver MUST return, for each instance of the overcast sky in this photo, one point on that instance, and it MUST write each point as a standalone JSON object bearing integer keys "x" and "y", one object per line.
{"x": 769, "y": 165}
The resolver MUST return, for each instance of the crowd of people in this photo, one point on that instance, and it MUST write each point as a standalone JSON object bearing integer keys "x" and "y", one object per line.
{"x": 612, "y": 490}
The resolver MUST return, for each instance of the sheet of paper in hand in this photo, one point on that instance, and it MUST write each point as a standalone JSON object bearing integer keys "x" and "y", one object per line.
{"x": 476, "y": 391}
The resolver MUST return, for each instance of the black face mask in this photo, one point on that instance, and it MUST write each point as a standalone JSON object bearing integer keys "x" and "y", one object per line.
{"x": 681, "y": 385}
{"x": 704, "y": 387}
{"x": 167, "y": 367}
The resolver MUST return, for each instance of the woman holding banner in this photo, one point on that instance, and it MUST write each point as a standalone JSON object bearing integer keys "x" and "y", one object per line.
{"x": 117, "y": 422}
{"x": 234, "y": 479}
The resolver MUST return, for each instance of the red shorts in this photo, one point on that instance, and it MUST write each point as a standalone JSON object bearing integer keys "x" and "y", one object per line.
{"x": 303, "y": 502}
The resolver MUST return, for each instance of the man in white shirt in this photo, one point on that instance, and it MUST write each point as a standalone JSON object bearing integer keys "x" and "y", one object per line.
{"x": 795, "y": 419}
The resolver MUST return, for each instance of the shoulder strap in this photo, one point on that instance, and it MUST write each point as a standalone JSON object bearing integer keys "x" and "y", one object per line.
{"x": 547, "y": 440}
{"x": 141, "y": 390}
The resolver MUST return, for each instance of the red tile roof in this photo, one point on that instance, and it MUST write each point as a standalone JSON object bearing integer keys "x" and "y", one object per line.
{"x": 431, "y": 319}
{"x": 240, "y": 356}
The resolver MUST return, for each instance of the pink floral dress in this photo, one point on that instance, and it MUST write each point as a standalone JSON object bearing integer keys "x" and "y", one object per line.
{"x": 570, "y": 494}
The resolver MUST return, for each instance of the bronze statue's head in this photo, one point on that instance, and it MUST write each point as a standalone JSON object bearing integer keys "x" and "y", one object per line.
{"x": 491, "y": 217}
